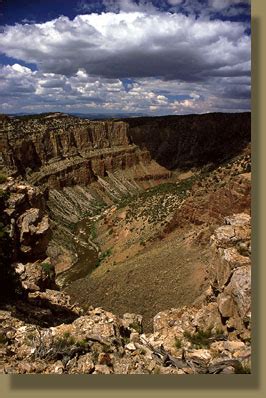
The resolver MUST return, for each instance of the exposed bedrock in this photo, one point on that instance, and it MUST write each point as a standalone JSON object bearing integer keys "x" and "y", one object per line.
{"x": 25, "y": 234}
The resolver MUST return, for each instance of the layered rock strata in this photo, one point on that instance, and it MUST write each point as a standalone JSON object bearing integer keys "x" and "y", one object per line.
{"x": 67, "y": 151}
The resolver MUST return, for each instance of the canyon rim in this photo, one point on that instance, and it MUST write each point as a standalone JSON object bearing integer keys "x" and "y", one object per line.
{"x": 125, "y": 187}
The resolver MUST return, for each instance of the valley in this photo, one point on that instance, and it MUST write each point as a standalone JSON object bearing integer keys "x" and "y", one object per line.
{"x": 122, "y": 215}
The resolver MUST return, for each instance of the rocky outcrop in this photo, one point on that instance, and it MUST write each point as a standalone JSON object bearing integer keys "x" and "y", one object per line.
{"x": 27, "y": 233}
{"x": 221, "y": 322}
{"x": 37, "y": 276}
{"x": 231, "y": 277}
{"x": 98, "y": 342}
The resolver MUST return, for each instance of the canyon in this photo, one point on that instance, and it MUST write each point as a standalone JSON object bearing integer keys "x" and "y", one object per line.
{"x": 145, "y": 218}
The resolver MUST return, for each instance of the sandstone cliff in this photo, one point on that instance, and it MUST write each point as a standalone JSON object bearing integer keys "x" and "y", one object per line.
{"x": 68, "y": 151}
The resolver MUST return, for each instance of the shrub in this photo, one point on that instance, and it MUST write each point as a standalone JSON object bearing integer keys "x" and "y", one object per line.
{"x": 4, "y": 195}
{"x": 200, "y": 339}
{"x": 93, "y": 231}
{"x": 103, "y": 256}
{"x": 240, "y": 369}
{"x": 82, "y": 343}
{"x": 2, "y": 230}
{"x": 136, "y": 326}
{"x": 3, "y": 178}
{"x": 3, "y": 338}
{"x": 63, "y": 342}
{"x": 47, "y": 268}
{"x": 178, "y": 343}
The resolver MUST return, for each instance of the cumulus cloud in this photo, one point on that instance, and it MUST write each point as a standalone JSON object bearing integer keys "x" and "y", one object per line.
{"x": 33, "y": 91}
{"x": 131, "y": 58}
{"x": 131, "y": 44}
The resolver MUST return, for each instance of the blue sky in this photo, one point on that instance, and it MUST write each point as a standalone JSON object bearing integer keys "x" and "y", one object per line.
{"x": 107, "y": 56}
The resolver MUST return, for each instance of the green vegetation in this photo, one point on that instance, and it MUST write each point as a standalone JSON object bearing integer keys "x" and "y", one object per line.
{"x": 63, "y": 342}
{"x": 72, "y": 226}
{"x": 178, "y": 343}
{"x": 240, "y": 369}
{"x": 99, "y": 206}
{"x": 3, "y": 178}
{"x": 2, "y": 230}
{"x": 93, "y": 231}
{"x": 4, "y": 195}
{"x": 48, "y": 268}
{"x": 3, "y": 338}
{"x": 180, "y": 189}
{"x": 83, "y": 343}
{"x": 157, "y": 203}
{"x": 202, "y": 338}
{"x": 136, "y": 326}
{"x": 126, "y": 340}
{"x": 103, "y": 256}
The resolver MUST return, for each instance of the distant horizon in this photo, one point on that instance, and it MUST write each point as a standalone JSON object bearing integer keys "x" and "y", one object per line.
{"x": 154, "y": 57}
{"x": 126, "y": 115}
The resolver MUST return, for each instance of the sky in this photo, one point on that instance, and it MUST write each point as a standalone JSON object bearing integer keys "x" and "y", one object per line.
{"x": 150, "y": 57}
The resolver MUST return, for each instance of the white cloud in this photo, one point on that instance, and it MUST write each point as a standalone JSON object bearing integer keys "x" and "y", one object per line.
{"x": 24, "y": 90}
{"x": 21, "y": 69}
{"x": 130, "y": 44}
{"x": 175, "y": 63}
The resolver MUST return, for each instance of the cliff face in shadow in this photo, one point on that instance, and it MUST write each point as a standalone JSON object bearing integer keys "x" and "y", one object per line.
{"x": 191, "y": 140}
